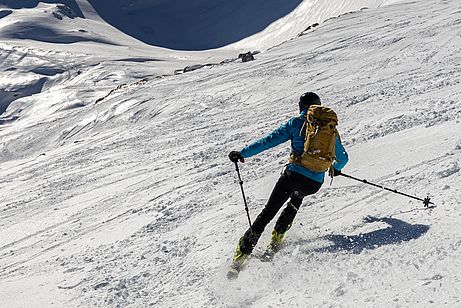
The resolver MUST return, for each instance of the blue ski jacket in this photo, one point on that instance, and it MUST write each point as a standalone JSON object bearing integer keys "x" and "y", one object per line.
{"x": 291, "y": 130}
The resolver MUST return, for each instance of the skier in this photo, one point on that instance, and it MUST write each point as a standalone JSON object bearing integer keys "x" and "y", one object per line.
{"x": 295, "y": 182}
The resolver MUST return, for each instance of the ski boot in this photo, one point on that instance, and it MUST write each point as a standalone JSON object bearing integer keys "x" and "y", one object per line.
{"x": 238, "y": 262}
{"x": 274, "y": 246}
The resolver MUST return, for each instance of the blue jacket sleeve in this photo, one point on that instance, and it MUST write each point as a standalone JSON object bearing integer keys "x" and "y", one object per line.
{"x": 278, "y": 136}
{"x": 341, "y": 155}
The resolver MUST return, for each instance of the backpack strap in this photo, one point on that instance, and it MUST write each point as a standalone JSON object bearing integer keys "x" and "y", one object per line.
{"x": 302, "y": 132}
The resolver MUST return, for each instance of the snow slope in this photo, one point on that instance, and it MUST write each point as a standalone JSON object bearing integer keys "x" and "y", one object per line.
{"x": 41, "y": 42}
{"x": 173, "y": 24}
{"x": 117, "y": 190}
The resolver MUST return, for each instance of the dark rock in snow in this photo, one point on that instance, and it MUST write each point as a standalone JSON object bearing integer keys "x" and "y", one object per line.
{"x": 64, "y": 11}
{"x": 100, "y": 285}
{"x": 312, "y": 26}
{"x": 246, "y": 57}
{"x": 192, "y": 68}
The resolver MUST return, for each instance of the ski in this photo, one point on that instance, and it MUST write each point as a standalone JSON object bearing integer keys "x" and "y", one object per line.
{"x": 232, "y": 274}
{"x": 268, "y": 254}
{"x": 236, "y": 267}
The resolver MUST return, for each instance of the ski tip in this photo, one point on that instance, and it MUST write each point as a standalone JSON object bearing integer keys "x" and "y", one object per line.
{"x": 232, "y": 274}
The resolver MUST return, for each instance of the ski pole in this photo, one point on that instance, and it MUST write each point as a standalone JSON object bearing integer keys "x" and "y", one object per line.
{"x": 243, "y": 194}
{"x": 426, "y": 200}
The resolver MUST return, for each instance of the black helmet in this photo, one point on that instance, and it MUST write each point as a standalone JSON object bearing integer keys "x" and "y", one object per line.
{"x": 308, "y": 99}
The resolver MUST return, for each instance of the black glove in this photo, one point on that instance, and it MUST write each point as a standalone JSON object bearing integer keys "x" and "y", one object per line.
{"x": 235, "y": 156}
{"x": 335, "y": 172}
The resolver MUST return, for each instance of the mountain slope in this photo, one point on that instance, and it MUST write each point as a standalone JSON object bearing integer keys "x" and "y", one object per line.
{"x": 174, "y": 24}
{"x": 130, "y": 200}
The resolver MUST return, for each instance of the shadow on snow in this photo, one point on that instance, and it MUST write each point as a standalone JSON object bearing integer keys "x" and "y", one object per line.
{"x": 177, "y": 24}
{"x": 192, "y": 25}
{"x": 398, "y": 231}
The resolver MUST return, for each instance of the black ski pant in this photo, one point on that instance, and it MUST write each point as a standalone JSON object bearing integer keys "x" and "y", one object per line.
{"x": 291, "y": 185}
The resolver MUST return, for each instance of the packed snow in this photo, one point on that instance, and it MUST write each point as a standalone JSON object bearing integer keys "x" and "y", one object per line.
{"x": 116, "y": 186}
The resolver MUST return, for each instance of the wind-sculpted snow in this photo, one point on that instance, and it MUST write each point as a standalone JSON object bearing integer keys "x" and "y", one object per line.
{"x": 47, "y": 23}
{"x": 20, "y": 4}
{"x": 117, "y": 190}
{"x": 4, "y": 13}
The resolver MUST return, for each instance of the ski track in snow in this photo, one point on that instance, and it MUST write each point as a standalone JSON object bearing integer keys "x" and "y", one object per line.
{"x": 117, "y": 190}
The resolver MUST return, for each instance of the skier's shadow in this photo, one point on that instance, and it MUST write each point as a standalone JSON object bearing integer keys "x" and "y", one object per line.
{"x": 397, "y": 232}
